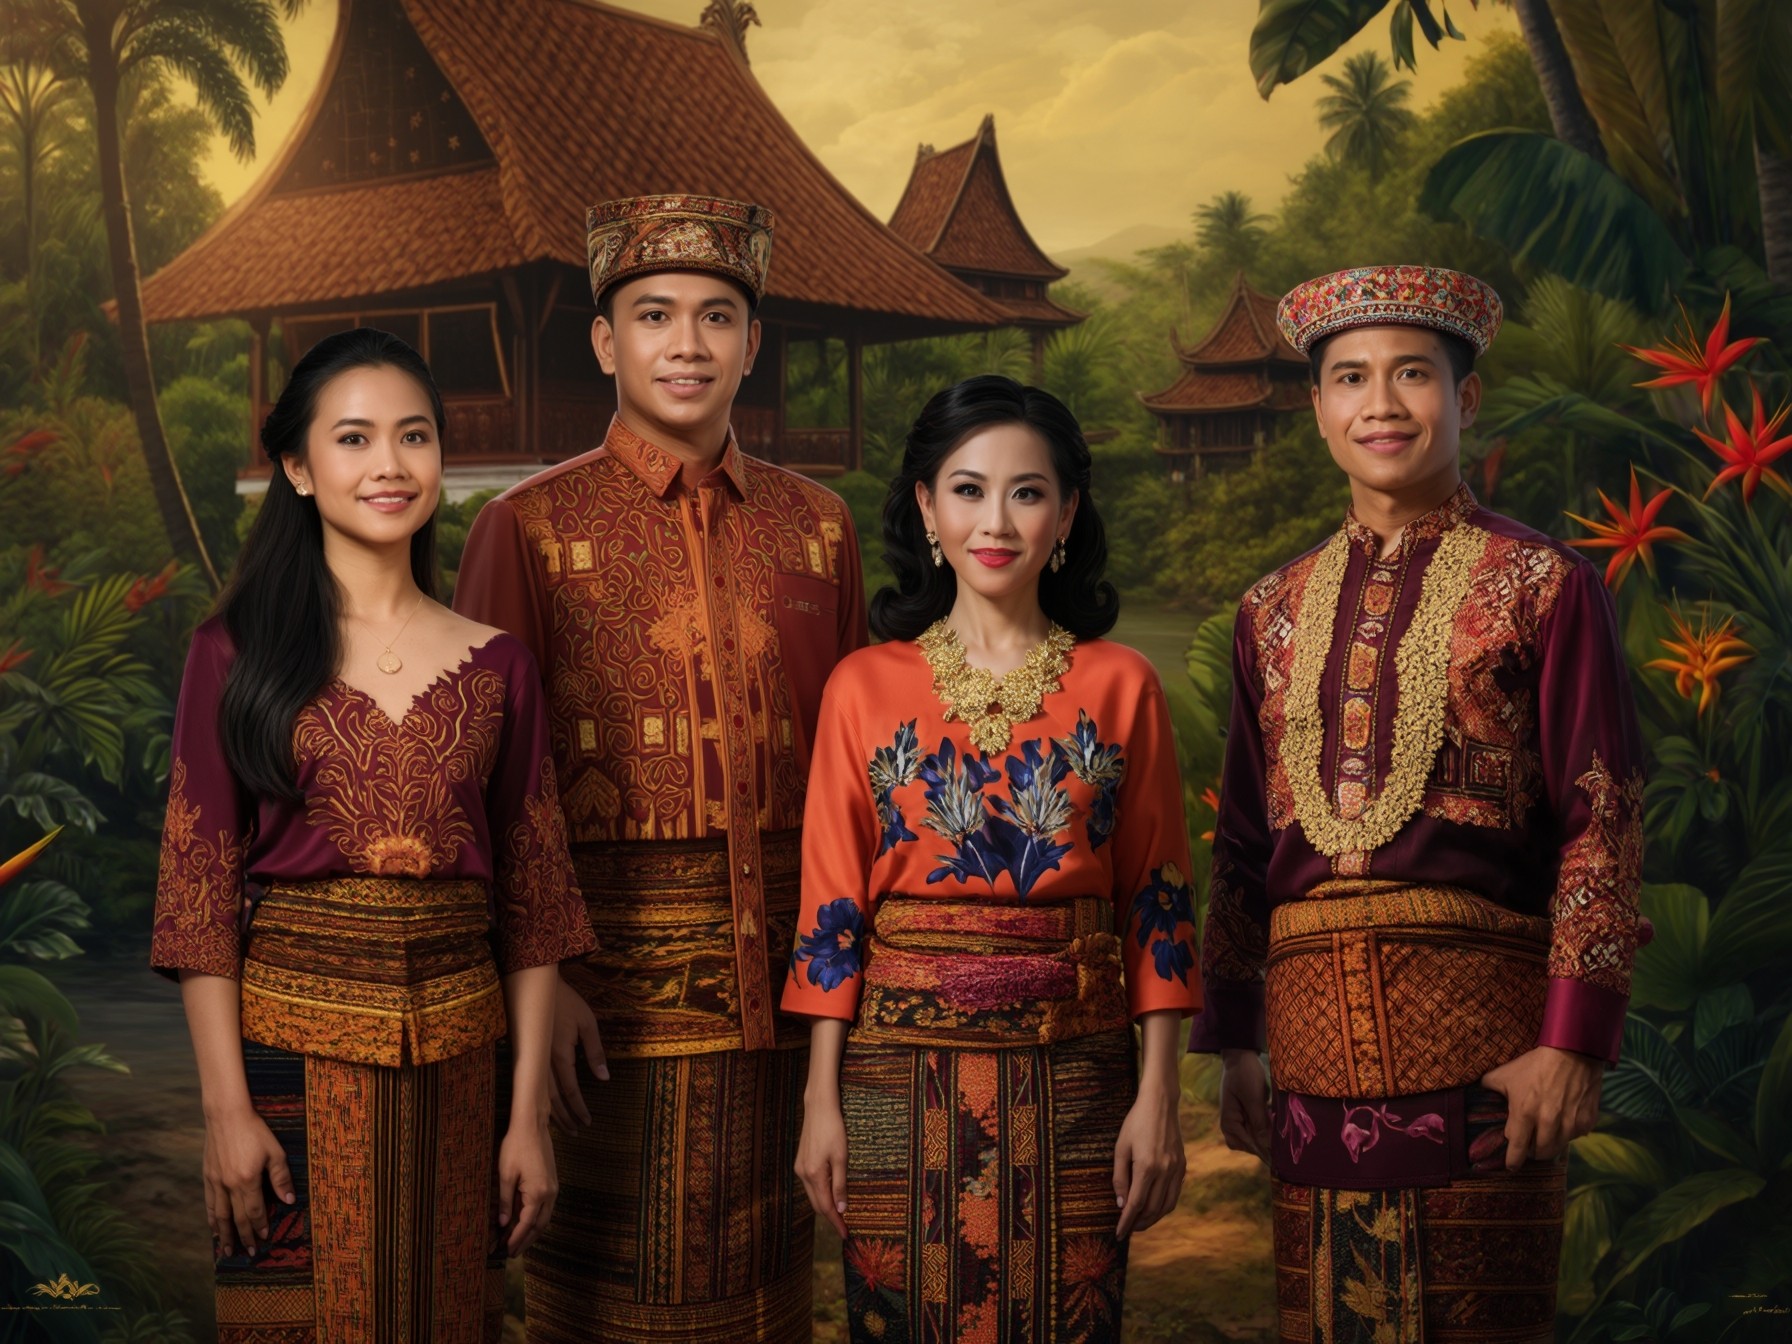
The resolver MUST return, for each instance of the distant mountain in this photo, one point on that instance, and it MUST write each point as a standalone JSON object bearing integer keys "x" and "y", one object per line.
{"x": 1121, "y": 246}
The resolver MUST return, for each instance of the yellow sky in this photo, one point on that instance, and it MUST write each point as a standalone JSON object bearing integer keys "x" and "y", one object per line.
{"x": 1107, "y": 115}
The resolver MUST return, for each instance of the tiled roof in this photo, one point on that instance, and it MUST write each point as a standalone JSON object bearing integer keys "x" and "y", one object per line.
{"x": 956, "y": 208}
{"x": 1038, "y": 312}
{"x": 1199, "y": 390}
{"x": 628, "y": 106}
{"x": 1246, "y": 333}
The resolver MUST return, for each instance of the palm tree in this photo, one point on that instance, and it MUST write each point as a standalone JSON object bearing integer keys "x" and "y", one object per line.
{"x": 1364, "y": 114}
{"x": 211, "y": 44}
{"x": 1229, "y": 230}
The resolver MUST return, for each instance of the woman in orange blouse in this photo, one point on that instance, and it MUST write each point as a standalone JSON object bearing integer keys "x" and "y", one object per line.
{"x": 994, "y": 892}
{"x": 362, "y": 809}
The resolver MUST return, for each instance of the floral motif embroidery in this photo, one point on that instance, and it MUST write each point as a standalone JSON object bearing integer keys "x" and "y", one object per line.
{"x": 1100, "y": 766}
{"x": 1359, "y": 1140}
{"x": 1163, "y": 906}
{"x": 537, "y": 922}
{"x": 891, "y": 768}
{"x": 199, "y": 889}
{"x": 1297, "y": 1125}
{"x": 1019, "y": 840}
{"x": 1091, "y": 1281}
{"x": 1595, "y": 902}
{"x": 832, "y": 950}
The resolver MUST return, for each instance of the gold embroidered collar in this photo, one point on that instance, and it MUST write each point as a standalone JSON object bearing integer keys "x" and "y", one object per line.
{"x": 989, "y": 705}
{"x": 1452, "y": 511}
{"x": 1422, "y": 687}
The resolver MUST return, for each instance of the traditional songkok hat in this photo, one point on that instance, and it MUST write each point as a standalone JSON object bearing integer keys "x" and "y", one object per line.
{"x": 1372, "y": 296}
{"x": 641, "y": 235}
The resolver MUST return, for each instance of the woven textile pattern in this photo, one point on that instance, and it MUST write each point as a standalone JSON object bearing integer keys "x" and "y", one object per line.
{"x": 1399, "y": 990}
{"x": 372, "y": 970}
{"x": 981, "y": 1201}
{"x": 391, "y": 1239}
{"x": 680, "y": 1217}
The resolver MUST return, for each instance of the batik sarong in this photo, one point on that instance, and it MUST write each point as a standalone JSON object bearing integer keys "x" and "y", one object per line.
{"x": 983, "y": 1094}
{"x": 391, "y": 1236}
{"x": 680, "y": 1216}
{"x": 1395, "y": 1218}
{"x": 370, "y": 1010}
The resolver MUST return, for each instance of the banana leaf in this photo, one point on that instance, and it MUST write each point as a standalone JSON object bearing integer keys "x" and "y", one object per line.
{"x": 1293, "y": 36}
{"x": 1557, "y": 208}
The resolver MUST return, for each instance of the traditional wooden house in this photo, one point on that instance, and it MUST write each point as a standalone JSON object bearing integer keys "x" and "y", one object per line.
{"x": 956, "y": 208}
{"x": 1237, "y": 383}
{"x": 437, "y": 185}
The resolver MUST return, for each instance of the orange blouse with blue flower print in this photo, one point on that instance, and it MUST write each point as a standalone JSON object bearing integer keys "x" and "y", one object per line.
{"x": 1085, "y": 801}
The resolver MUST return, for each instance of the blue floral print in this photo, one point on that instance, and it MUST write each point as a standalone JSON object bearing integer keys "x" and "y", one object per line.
{"x": 1099, "y": 765}
{"x": 891, "y": 768}
{"x": 1163, "y": 907}
{"x": 832, "y": 950}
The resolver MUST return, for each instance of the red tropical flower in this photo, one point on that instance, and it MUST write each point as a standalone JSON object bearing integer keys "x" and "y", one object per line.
{"x": 1704, "y": 656}
{"x": 146, "y": 590}
{"x": 1210, "y": 799}
{"x": 1747, "y": 452}
{"x": 13, "y": 656}
{"x": 1630, "y": 534}
{"x": 1689, "y": 364}
{"x": 42, "y": 577}
{"x": 22, "y": 450}
{"x": 878, "y": 1264}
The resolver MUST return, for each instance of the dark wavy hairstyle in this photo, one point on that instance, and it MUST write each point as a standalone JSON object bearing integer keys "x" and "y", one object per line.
{"x": 1077, "y": 597}
{"x": 283, "y": 605}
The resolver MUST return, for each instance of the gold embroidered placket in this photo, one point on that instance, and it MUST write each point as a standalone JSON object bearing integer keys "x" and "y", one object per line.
{"x": 1422, "y": 687}
{"x": 989, "y": 705}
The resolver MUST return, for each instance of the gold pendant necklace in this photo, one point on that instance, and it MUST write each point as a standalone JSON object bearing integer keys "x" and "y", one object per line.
{"x": 989, "y": 705}
{"x": 388, "y": 662}
{"x": 1421, "y": 694}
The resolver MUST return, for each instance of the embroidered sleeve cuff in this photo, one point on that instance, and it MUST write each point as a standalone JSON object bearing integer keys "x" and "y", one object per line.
{"x": 214, "y": 952}
{"x": 1583, "y": 1018}
{"x": 1232, "y": 1018}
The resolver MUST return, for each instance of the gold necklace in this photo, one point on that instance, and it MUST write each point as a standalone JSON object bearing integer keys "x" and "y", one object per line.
{"x": 1422, "y": 690}
{"x": 989, "y": 705}
{"x": 388, "y": 662}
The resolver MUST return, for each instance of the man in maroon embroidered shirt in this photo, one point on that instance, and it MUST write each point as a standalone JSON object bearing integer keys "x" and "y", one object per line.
{"x": 1428, "y": 852}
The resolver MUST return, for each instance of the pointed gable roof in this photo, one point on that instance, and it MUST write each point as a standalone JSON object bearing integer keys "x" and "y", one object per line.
{"x": 1231, "y": 367}
{"x": 1246, "y": 333}
{"x": 956, "y": 208}
{"x": 630, "y": 105}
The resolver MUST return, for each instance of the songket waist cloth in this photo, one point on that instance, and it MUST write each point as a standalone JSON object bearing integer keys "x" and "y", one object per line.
{"x": 1386, "y": 1003}
{"x": 977, "y": 974}
{"x": 372, "y": 970}
{"x": 670, "y": 976}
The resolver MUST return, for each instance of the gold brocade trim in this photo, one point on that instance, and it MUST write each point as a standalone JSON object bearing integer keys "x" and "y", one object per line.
{"x": 1422, "y": 688}
{"x": 989, "y": 705}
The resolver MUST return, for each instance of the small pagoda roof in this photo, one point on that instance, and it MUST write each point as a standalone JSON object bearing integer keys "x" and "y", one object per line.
{"x": 1202, "y": 390}
{"x": 485, "y": 159}
{"x": 1246, "y": 333}
{"x": 956, "y": 208}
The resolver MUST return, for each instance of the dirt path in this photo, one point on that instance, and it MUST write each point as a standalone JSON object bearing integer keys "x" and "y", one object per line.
{"x": 1199, "y": 1277}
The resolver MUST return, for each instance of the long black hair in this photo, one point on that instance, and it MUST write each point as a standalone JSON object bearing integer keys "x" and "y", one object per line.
{"x": 1077, "y": 597}
{"x": 283, "y": 605}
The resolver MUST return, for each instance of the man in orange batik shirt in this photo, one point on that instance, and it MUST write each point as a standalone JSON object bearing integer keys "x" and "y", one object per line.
{"x": 686, "y": 604}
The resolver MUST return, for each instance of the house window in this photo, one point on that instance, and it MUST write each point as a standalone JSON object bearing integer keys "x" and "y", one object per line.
{"x": 461, "y": 345}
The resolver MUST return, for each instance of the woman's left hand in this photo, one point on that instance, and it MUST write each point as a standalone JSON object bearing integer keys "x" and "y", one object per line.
{"x": 1149, "y": 1161}
{"x": 527, "y": 1185}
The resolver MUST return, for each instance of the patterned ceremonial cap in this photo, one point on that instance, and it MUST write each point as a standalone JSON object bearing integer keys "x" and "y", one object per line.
{"x": 640, "y": 235}
{"x": 1372, "y": 296}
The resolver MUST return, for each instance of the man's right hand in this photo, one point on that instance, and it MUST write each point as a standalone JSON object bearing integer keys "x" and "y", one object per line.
{"x": 1244, "y": 1103}
{"x": 574, "y": 1022}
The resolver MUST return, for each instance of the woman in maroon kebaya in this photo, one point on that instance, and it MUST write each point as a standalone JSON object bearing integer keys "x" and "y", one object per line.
{"x": 364, "y": 878}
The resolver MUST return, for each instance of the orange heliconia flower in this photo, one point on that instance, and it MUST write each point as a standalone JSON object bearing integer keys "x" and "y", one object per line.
{"x": 42, "y": 577}
{"x": 19, "y": 862}
{"x": 1689, "y": 364}
{"x": 14, "y": 656}
{"x": 1210, "y": 799}
{"x": 20, "y": 452}
{"x": 1703, "y": 656}
{"x": 1630, "y": 534}
{"x": 146, "y": 590}
{"x": 1747, "y": 452}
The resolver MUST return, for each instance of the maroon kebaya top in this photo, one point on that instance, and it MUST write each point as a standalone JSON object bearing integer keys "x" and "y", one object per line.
{"x": 1533, "y": 801}
{"x": 462, "y": 787}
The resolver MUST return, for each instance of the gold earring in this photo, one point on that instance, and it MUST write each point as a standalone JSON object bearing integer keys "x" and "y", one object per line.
{"x": 1058, "y": 556}
{"x": 302, "y": 490}
{"x": 933, "y": 544}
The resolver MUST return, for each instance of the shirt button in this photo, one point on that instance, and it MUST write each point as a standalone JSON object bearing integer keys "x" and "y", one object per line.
{"x": 746, "y": 870}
